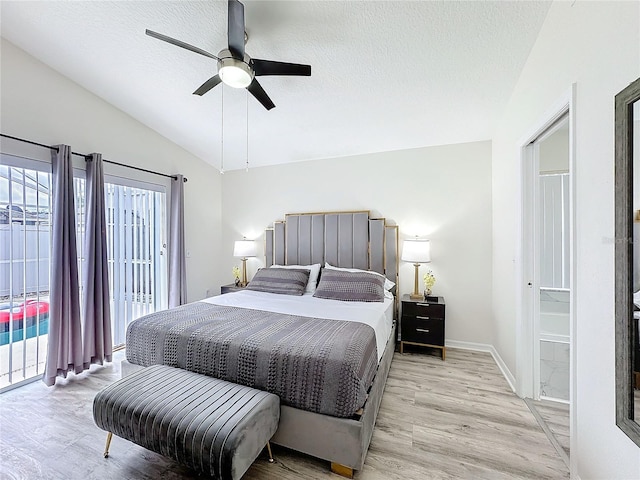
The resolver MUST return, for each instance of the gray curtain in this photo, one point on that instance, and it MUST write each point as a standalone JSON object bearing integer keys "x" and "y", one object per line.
{"x": 177, "y": 262}
{"x": 64, "y": 352}
{"x": 98, "y": 342}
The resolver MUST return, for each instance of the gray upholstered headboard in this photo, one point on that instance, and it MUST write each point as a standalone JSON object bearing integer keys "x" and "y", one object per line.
{"x": 344, "y": 239}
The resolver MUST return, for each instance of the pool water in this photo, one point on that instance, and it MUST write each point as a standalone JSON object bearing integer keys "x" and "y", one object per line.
{"x": 33, "y": 329}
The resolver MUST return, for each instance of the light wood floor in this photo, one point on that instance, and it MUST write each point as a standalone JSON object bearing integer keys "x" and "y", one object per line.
{"x": 438, "y": 420}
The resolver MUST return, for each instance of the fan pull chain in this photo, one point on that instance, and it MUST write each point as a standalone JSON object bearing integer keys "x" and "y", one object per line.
{"x": 247, "y": 167}
{"x": 222, "y": 129}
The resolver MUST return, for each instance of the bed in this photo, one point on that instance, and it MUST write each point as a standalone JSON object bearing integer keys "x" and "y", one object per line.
{"x": 329, "y": 415}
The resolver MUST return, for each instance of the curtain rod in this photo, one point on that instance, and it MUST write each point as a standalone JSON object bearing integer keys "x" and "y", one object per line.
{"x": 89, "y": 156}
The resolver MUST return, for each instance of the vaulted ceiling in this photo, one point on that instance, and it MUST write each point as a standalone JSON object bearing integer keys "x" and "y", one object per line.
{"x": 386, "y": 75}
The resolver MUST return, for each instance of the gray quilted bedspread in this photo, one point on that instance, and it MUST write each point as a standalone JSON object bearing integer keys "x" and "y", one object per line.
{"x": 323, "y": 366}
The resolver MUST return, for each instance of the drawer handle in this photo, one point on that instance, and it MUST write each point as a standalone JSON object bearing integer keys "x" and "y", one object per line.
{"x": 422, "y": 318}
{"x": 422, "y": 330}
{"x": 423, "y": 304}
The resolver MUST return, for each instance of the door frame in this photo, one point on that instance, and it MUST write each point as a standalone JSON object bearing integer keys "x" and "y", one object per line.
{"x": 526, "y": 328}
{"x": 532, "y": 224}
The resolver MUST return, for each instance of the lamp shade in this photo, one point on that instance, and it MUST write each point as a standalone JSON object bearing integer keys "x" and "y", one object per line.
{"x": 416, "y": 251}
{"x": 244, "y": 248}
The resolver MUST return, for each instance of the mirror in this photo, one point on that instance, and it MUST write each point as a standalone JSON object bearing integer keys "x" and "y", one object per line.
{"x": 627, "y": 259}
{"x": 635, "y": 256}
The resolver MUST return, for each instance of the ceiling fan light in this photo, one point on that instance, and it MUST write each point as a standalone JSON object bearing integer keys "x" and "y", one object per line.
{"x": 235, "y": 76}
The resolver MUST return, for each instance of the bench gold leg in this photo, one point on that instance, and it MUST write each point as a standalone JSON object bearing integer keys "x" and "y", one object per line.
{"x": 106, "y": 448}
{"x": 270, "y": 454}
{"x": 342, "y": 470}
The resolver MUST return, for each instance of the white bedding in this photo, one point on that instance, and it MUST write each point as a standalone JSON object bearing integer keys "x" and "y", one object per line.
{"x": 378, "y": 315}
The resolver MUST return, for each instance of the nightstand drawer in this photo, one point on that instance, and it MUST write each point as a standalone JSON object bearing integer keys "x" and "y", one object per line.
{"x": 430, "y": 332}
{"x": 423, "y": 309}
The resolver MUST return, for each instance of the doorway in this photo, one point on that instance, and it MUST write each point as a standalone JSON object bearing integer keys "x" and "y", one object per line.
{"x": 553, "y": 290}
{"x": 547, "y": 260}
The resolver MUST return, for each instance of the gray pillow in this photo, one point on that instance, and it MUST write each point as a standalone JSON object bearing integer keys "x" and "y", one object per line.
{"x": 285, "y": 281}
{"x": 350, "y": 286}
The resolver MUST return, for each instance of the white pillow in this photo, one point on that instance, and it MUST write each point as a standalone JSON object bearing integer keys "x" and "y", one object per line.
{"x": 388, "y": 284}
{"x": 314, "y": 271}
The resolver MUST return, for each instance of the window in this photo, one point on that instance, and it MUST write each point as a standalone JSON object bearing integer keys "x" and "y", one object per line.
{"x": 136, "y": 220}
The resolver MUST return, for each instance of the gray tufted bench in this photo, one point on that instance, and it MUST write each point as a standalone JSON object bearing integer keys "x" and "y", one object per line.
{"x": 214, "y": 427}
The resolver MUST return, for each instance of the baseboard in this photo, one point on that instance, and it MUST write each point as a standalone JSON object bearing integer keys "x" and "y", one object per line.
{"x": 484, "y": 347}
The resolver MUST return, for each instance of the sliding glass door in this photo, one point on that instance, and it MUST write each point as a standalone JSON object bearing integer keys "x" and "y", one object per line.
{"x": 136, "y": 235}
{"x": 136, "y": 238}
{"x": 136, "y": 249}
{"x": 25, "y": 218}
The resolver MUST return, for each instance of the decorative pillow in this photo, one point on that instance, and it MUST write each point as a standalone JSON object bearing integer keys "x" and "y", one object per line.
{"x": 350, "y": 286}
{"x": 314, "y": 272}
{"x": 388, "y": 284}
{"x": 285, "y": 281}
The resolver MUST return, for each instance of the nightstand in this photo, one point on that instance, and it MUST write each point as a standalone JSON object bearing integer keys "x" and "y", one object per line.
{"x": 230, "y": 288}
{"x": 422, "y": 323}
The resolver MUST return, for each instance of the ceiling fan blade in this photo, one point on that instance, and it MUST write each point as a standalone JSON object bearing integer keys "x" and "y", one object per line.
{"x": 257, "y": 91}
{"x": 235, "y": 29}
{"x": 208, "y": 85}
{"x": 269, "y": 67}
{"x": 179, "y": 43}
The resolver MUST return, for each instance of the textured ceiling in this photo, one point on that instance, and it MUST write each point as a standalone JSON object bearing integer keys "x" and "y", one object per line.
{"x": 385, "y": 75}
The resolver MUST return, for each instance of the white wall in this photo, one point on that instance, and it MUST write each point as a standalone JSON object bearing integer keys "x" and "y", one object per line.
{"x": 554, "y": 151}
{"x": 443, "y": 193}
{"x": 39, "y": 104}
{"x": 597, "y": 46}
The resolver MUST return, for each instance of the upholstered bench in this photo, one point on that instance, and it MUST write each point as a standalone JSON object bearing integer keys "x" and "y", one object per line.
{"x": 214, "y": 427}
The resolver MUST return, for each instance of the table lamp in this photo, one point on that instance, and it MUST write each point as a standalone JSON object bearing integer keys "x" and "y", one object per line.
{"x": 416, "y": 251}
{"x": 244, "y": 249}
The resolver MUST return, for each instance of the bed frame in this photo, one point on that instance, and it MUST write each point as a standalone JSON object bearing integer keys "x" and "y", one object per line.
{"x": 350, "y": 240}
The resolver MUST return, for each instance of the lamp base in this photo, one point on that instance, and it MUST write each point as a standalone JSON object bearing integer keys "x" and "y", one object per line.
{"x": 244, "y": 281}
{"x": 416, "y": 295}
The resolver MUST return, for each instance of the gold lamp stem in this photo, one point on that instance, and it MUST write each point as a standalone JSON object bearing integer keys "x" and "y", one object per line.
{"x": 416, "y": 295}
{"x": 244, "y": 273}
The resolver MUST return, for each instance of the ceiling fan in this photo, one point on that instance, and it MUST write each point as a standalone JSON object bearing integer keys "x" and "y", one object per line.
{"x": 235, "y": 67}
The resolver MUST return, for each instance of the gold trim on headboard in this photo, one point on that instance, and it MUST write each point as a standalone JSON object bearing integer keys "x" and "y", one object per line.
{"x": 368, "y": 212}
